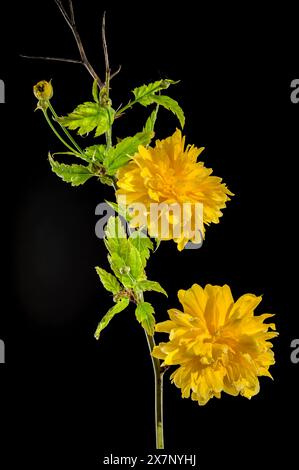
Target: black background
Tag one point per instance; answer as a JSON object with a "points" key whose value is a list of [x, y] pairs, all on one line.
{"points": [[66, 397]]}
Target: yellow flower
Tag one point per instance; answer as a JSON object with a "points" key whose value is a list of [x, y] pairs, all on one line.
{"points": [[170, 174], [219, 345]]}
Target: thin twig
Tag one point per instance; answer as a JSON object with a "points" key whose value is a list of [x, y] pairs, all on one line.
{"points": [[71, 23], [58, 59], [109, 75], [72, 12], [64, 13], [115, 73], [107, 66]]}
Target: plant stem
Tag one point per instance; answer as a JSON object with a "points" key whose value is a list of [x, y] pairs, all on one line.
{"points": [[131, 103], [158, 395], [70, 19], [107, 77], [158, 374], [57, 133], [64, 129]]}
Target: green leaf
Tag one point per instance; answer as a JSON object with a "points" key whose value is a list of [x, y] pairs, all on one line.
{"points": [[144, 314], [109, 281], [143, 244], [116, 239], [121, 270], [145, 93], [77, 155], [118, 307], [106, 180], [120, 210], [171, 105], [151, 121], [134, 262], [151, 285], [74, 174], [125, 260], [95, 91], [117, 264], [119, 155], [95, 153], [87, 117]]}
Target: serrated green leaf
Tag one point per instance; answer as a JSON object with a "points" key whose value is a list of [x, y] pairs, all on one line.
{"points": [[109, 281], [117, 264], [172, 105], [117, 308], [119, 155], [151, 121], [82, 156], [95, 91], [147, 285], [74, 174], [116, 239], [134, 262], [120, 210], [121, 270], [129, 269], [144, 314], [147, 94], [143, 244], [95, 153], [125, 260], [144, 93], [106, 180], [77, 155], [87, 117]]}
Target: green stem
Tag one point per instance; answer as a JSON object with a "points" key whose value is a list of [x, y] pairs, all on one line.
{"points": [[131, 103], [158, 395], [57, 133], [127, 106], [108, 136], [72, 140], [158, 375]]}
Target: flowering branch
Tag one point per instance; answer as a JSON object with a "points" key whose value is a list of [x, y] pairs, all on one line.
{"points": [[217, 344]]}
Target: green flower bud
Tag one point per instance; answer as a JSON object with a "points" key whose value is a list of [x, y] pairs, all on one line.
{"points": [[43, 90]]}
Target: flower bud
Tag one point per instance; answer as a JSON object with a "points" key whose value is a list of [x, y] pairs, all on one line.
{"points": [[43, 90]]}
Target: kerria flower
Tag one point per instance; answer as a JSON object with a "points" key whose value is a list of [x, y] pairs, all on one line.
{"points": [[218, 344], [169, 175]]}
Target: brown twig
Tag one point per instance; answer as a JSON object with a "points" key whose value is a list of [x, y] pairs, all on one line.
{"points": [[107, 67], [115, 73], [72, 12], [57, 59], [70, 20], [105, 48]]}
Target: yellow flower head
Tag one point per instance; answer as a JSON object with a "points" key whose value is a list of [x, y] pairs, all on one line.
{"points": [[169, 174], [218, 344]]}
